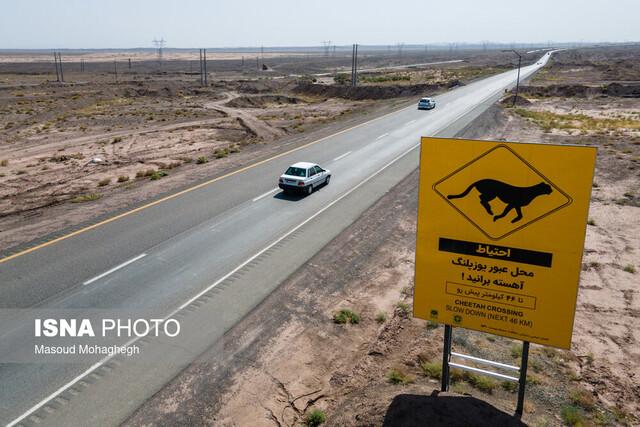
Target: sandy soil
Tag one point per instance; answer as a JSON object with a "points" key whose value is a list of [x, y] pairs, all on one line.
{"points": [[592, 66]]}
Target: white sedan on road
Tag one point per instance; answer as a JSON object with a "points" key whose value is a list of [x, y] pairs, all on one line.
{"points": [[303, 177], [426, 104]]}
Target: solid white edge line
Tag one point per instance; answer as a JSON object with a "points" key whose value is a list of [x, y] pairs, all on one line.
{"points": [[342, 156], [213, 285], [409, 122], [116, 268], [382, 136], [262, 196], [216, 283]]}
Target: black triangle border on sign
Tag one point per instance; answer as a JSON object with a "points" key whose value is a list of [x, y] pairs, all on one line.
{"points": [[569, 198]]}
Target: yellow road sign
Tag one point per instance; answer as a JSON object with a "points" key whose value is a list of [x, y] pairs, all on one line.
{"points": [[501, 231]]}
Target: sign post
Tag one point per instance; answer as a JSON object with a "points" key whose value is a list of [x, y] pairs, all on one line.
{"points": [[446, 355], [523, 377], [501, 230]]}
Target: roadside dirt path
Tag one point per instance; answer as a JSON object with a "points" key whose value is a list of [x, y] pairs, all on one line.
{"points": [[256, 126]]}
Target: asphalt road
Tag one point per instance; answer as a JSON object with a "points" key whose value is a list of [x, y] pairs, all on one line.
{"points": [[205, 257]]}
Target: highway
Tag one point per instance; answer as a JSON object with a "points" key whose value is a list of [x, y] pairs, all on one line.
{"points": [[205, 256]]}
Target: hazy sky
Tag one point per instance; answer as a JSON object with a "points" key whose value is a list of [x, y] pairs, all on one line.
{"points": [[232, 23]]}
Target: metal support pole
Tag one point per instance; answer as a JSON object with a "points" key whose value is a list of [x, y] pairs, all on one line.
{"points": [[55, 61], [353, 51], [518, 78], [60, 64], [200, 62], [523, 378], [206, 80], [129, 63], [115, 69], [517, 83], [446, 354], [355, 68]]}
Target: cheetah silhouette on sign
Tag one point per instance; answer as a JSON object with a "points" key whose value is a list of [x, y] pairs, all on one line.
{"points": [[514, 197]]}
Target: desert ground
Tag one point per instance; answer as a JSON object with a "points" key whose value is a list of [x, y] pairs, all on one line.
{"points": [[339, 344], [75, 151]]}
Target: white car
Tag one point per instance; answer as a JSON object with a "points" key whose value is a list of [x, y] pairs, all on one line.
{"points": [[303, 177], [426, 104]]}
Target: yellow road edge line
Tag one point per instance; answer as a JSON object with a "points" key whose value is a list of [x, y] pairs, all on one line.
{"points": [[187, 190]]}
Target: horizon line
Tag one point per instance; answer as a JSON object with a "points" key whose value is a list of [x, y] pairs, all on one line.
{"points": [[340, 46]]}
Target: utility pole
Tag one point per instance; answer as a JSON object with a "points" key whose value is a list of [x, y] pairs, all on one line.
{"points": [[355, 71], [326, 45], [201, 68], [55, 61], [59, 65], [159, 44], [518, 78], [129, 63], [206, 78], [115, 69], [354, 65]]}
